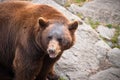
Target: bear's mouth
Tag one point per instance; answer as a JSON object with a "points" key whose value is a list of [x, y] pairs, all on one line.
{"points": [[52, 55]]}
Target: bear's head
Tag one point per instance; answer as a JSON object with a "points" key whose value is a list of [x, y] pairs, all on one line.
{"points": [[55, 37]]}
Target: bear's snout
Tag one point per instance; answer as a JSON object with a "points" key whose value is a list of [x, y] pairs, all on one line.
{"points": [[53, 49], [51, 52]]}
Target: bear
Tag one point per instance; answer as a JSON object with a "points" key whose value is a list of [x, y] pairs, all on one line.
{"points": [[32, 39]]}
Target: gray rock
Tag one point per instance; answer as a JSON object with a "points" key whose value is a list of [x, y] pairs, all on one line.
{"points": [[100, 10], [110, 43], [12, 0], [106, 32], [114, 57], [61, 2], [74, 8], [1, 0], [81, 60], [102, 49], [119, 40], [109, 74]]}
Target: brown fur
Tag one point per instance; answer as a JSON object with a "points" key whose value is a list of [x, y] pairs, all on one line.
{"points": [[23, 30]]}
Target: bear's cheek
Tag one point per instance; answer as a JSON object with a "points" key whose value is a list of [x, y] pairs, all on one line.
{"points": [[44, 41], [53, 49], [67, 42]]}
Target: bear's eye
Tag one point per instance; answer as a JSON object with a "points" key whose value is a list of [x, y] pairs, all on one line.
{"points": [[49, 37], [59, 39]]}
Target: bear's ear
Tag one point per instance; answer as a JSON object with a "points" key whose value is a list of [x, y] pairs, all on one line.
{"points": [[73, 26], [43, 23]]}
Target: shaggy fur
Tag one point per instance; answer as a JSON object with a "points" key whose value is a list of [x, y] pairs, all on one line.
{"points": [[32, 39]]}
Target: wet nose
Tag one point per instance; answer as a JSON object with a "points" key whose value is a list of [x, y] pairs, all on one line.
{"points": [[51, 50]]}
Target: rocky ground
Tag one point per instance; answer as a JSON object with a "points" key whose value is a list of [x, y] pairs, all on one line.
{"points": [[96, 53]]}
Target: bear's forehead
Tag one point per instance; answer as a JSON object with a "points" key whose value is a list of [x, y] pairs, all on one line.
{"points": [[58, 29]]}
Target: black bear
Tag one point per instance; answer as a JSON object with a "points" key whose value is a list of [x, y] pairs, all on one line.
{"points": [[32, 38]]}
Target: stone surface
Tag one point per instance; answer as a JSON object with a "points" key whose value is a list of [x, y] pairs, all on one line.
{"points": [[106, 32], [102, 49], [110, 43], [74, 8], [1, 0], [119, 40], [114, 57], [61, 2], [100, 10], [109, 74]]}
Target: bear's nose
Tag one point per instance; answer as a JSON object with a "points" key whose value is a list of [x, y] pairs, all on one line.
{"points": [[51, 50]]}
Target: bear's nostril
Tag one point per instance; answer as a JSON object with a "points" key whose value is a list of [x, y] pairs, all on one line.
{"points": [[51, 51]]}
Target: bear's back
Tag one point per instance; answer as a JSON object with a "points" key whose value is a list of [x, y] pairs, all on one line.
{"points": [[8, 11], [21, 12], [13, 6]]}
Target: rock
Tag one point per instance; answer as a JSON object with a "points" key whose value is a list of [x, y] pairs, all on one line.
{"points": [[1, 0], [100, 10], [81, 60], [102, 44], [61, 2], [102, 49], [109, 74], [74, 8], [119, 40], [110, 43], [11, 0], [114, 57], [106, 32]]}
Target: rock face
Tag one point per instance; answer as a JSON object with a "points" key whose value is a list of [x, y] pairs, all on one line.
{"points": [[104, 11], [106, 32], [119, 40], [112, 73], [1, 0], [61, 2], [109, 74], [114, 57]]}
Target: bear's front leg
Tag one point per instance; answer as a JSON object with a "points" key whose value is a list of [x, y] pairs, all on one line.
{"points": [[47, 69], [52, 75], [26, 68]]}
